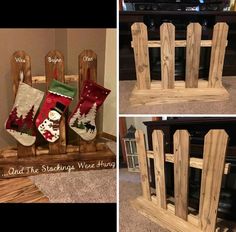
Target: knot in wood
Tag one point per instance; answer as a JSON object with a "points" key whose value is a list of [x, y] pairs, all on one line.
{"points": [[140, 68]]}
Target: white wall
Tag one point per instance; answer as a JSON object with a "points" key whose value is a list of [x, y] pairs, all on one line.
{"points": [[137, 122], [109, 109]]}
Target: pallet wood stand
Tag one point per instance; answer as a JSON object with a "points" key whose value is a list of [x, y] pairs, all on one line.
{"points": [[156, 205], [59, 156], [147, 92]]}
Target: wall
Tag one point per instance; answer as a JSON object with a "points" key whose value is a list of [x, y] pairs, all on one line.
{"points": [[109, 110], [137, 122], [36, 42]]}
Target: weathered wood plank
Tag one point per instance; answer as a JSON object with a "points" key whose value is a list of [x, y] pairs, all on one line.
{"points": [[54, 69], [159, 161], [143, 165], [193, 162], [194, 32], [219, 39], [74, 161], [141, 55], [215, 144], [163, 218], [178, 43], [42, 79], [87, 68], [21, 61], [167, 38], [181, 170], [168, 96], [20, 190]]}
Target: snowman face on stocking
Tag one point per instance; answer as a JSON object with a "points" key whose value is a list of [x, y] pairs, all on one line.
{"points": [[54, 115]]}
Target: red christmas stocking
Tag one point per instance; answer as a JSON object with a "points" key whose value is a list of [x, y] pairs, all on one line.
{"points": [[20, 121], [82, 120], [57, 100]]}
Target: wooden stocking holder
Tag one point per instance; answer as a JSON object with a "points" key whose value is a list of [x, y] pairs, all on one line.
{"points": [[147, 92], [174, 213], [59, 156]]}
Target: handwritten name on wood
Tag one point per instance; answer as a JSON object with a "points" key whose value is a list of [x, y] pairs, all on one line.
{"points": [[87, 58], [54, 60], [31, 170], [19, 60]]}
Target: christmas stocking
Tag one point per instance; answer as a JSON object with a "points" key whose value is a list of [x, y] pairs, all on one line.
{"points": [[57, 100], [20, 121], [82, 120]]}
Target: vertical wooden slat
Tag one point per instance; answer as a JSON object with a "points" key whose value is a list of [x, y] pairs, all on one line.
{"points": [[54, 69], [217, 54], [87, 71], [167, 38], [143, 165], [20, 61], [141, 55], [181, 170], [194, 32], [87, 67], [159, 159], [215, 144]]}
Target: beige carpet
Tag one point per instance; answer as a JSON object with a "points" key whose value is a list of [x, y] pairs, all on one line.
{"points": [[131, 220], [227, 107], [95, 186]]}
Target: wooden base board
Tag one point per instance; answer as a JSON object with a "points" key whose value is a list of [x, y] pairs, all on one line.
{"points": [[20, 190], [162, 217], [167, 219], [156, 95], [27, 166]]}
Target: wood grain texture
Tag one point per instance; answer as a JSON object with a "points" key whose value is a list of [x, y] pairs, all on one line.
{"points": [[20, 190], [215, 144], [194, 32], [42, 79], [156, 96], [193, 162], [178, 43], [181, 172], [20, 61], [87, 67], [219, 39], [141, 55], [163, 218], [167, 38], [143, 165], [159, 161], [73, 161], [54, 69]]}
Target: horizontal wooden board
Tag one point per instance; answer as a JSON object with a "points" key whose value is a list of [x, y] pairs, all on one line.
{"points": [[178, 43], [14, 167], [20, 190], [193, 162], [177, 95], [162, 217], [42, 79]]}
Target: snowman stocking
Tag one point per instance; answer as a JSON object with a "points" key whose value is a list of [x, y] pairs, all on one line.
{"points": [[82, 120], [20, 121], [57, 100]]}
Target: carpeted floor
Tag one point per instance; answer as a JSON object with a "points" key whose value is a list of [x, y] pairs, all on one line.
{"points": [[227, 107], [130, 220], [79, 187]]}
